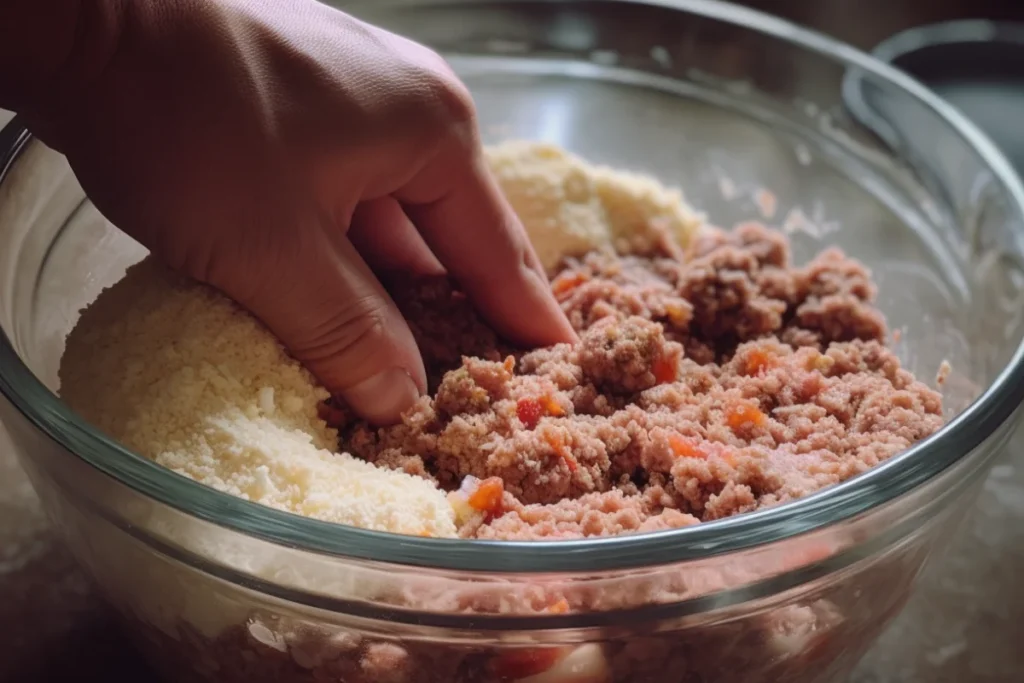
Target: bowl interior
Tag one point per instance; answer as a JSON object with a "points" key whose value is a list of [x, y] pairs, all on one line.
{"points": [[750, 125]]}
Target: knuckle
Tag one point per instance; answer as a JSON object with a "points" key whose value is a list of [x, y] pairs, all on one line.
{"points": [[430, 93], [441, 90], [453, 99]]}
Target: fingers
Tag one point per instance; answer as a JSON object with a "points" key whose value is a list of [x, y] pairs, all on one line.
{"points": [[457, 207], [328, 309], [388, 241]]}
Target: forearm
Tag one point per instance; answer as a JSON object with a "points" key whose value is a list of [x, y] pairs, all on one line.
{"points": [[50, 49]]}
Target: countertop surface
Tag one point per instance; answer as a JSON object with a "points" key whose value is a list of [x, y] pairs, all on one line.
{"points": [[965, 623]]}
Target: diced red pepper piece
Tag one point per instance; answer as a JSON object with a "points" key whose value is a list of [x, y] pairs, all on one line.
{"points": [[512, 665], [666, 370], [529, 411]]}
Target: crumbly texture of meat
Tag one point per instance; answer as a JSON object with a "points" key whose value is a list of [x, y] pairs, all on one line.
{"points": [[701, 387]]}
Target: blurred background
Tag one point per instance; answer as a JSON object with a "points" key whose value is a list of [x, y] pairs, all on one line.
{"points": [[864, 23], [965, 625]]}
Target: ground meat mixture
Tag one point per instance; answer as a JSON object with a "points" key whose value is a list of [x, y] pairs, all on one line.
{"points": [[706, 382], [702, 386]]}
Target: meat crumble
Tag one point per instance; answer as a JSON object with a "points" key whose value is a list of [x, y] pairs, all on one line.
{"points": [[701, 388]]}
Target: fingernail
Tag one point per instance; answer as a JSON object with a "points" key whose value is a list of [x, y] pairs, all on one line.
{"points": [[383, 398]]}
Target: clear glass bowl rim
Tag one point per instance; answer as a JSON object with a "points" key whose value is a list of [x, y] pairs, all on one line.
{"points": [[962, 435]]}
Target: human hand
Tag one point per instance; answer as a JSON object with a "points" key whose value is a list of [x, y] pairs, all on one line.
{"points": [[282, 151]]}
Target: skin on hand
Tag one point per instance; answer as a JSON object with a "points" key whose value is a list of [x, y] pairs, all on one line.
{"points": [[282, 152]]}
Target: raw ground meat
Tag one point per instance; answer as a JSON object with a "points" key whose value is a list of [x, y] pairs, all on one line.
{"points": [[700, 388]]}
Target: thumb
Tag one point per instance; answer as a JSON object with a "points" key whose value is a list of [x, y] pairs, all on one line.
{"points": [[326, 306]]}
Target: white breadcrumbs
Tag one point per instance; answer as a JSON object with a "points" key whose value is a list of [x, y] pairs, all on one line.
{"points": [[179, 374], [570, 207]]}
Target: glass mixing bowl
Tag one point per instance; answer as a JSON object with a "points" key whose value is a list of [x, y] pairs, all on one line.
{"points": [[741, 110]]}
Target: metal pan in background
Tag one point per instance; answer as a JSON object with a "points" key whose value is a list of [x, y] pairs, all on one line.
{"points": [[976, 66]]}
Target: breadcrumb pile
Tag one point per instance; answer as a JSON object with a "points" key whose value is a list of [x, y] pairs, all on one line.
{"points": [[570, 207], [181, 375]]}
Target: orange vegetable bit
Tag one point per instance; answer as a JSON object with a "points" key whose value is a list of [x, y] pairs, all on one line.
{"points": [[551, 406], [758, 361], [513, 665], [488, 495], [567, 282], [560, 607], [820, 362], [529, 411], [510, 365], [555, 441], [570, 462], [676, 314], [666, 370], [744, 415], [684, 448], [558, 446]]}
